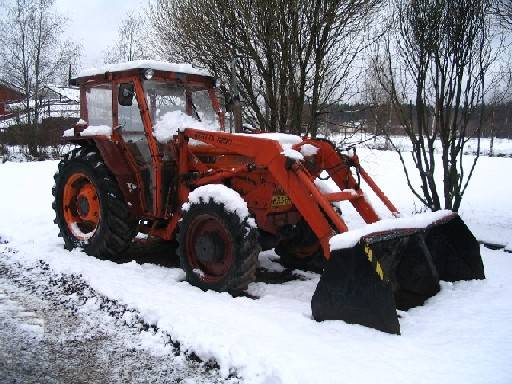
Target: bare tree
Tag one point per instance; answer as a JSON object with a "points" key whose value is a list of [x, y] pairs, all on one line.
{"points": [[33, 52], [439, 55], [503, 10], [376, 99], [291, 55], [131, 41], [497, 106]]}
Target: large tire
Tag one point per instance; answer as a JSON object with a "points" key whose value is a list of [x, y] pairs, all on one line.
{"points": [[217, 249], [109, 233]]}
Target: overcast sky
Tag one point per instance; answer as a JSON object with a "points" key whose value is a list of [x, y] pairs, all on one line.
{"points": [[94, 24]]}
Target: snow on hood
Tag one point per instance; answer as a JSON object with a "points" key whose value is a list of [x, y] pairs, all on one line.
{"points": [[152, 64], [419, 221], [291, 153], [284, 139], [308, 150], [69, 132], [91, 130], [170, 123]]}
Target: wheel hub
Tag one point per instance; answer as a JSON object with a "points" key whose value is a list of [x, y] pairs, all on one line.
{"points": [[209, 248], [87, 203], [81, 206]]}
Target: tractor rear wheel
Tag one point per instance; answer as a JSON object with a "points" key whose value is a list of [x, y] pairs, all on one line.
{"points": [[89, 207], [218, 250]]}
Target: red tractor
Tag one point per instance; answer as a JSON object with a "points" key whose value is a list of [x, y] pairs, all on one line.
{"points": [[152, 156]]}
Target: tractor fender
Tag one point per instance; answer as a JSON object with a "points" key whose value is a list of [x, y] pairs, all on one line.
{"points": [[115, 159]]}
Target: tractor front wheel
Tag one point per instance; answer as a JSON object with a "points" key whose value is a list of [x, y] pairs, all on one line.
{"points": [[302, 250], [218, 250], [309, 259]]}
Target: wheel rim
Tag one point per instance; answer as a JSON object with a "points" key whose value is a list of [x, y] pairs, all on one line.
{"points": [[81, 206], [209, 248]]}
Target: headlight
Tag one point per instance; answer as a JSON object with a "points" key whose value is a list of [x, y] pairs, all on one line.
{"points": [[148, 74]]}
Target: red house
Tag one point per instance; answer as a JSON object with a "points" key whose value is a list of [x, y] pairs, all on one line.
{"points": [[8, 94]]}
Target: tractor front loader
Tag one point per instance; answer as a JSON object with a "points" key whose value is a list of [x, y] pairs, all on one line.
{"points": [[226, 196]]}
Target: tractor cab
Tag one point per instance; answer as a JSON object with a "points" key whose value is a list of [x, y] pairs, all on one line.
{"points": [[123, 104], [110, 94]]}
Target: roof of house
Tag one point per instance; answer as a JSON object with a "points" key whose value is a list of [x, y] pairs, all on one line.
{"points": [[144, 64], [70, 93], [12, 87]]}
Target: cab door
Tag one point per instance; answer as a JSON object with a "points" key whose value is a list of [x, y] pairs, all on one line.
{"points": [[131, 127]]}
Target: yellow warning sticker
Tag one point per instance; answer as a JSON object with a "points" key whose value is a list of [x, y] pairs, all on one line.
{"points": [[378, 268], [280, 201]]}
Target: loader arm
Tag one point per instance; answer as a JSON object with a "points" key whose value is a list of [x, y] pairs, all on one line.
{"points": [[338, 166], [292, 176], [384, 270]]}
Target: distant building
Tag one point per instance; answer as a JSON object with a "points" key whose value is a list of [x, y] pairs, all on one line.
{"points": [[61, 94], [8, 94], [53, 101], [59, 101]]}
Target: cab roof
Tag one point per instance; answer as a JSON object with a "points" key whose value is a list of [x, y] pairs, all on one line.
{"points": [[144, 64]]}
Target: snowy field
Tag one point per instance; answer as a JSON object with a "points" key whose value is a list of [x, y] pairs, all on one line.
{"points": [[501, 146], [462, 335]]}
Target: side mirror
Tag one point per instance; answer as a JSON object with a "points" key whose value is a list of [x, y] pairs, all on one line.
{"points": [[125, 94]]}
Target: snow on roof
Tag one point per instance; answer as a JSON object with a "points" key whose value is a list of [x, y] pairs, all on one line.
{"points": [[67, 92], [156, 65]]}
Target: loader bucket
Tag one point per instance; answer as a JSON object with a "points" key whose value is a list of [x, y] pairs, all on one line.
{"points": [[396, 269], [455, 251]]}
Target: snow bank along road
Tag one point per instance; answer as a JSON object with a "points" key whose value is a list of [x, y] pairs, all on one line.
{"points": [[462, 335], [58, 330]]}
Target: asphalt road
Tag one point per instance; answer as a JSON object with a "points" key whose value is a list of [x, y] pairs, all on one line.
{"points": [[43, 340]]}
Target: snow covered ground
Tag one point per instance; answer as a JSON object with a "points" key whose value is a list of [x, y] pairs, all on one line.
{"points": [[462, 335], [501, 146]]}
